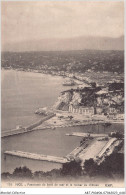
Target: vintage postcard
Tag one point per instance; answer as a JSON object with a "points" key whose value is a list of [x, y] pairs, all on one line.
{"points": [[62, 94]]}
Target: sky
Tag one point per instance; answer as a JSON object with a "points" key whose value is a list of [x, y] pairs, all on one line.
{"points": [[25, 21]]}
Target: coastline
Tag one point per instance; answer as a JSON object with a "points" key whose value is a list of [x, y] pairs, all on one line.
{"points": [[66, 125], [51, 74], [79, 124]]}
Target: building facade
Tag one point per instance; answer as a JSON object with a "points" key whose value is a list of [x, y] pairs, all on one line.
{"points": [[81, 110]]}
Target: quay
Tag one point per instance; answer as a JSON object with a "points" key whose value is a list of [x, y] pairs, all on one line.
{"points": [[74, 124], [34, 156], [109, 143], [86, 134], [96, 149], [29, 128], [77, 151]]}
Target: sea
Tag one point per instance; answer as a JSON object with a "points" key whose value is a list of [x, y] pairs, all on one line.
{"points": [[21, 94]]}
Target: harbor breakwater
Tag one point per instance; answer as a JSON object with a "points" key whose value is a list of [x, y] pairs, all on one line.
{"points": [[26, 129], [40, 157]]}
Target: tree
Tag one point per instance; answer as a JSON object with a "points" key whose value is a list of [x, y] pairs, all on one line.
{"points": [[22, 172], [72, 168], [38, 175], [113, 164], [90, 167], [6, 175]]}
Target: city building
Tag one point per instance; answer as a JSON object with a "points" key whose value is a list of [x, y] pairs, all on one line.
{"points": [[81, 110]]}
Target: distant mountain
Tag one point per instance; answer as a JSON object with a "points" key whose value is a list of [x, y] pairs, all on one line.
{"points": [[77, 43]]}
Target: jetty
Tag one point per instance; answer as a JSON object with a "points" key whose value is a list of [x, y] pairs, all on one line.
{"points": [[86, 134], [27, 129], [34, 156]]}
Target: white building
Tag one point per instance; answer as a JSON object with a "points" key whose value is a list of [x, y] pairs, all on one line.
{"points": [[81, 110]]}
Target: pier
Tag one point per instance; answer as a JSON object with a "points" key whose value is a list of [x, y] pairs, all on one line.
{"points": [[27, 129], [86, 134], [34, 156]]}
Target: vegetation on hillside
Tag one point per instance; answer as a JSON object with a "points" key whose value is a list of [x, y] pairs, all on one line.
{"points": [[71, 61], [111, 166]]}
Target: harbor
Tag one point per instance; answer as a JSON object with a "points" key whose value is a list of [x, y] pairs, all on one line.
{"points": [[62, 96], [95, 146], [46, 137], [41, 125]]}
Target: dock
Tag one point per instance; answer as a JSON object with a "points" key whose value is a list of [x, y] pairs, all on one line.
{"points": [[110, 142], [26, 129], [72, 125], [86, 135], [75, 153], [39, 157]]}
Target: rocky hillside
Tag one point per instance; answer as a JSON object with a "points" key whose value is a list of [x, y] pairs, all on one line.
{"points": [[104, 99]]}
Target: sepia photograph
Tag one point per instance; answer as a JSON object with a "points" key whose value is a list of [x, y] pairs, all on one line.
{"points": [[62, 94]]}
